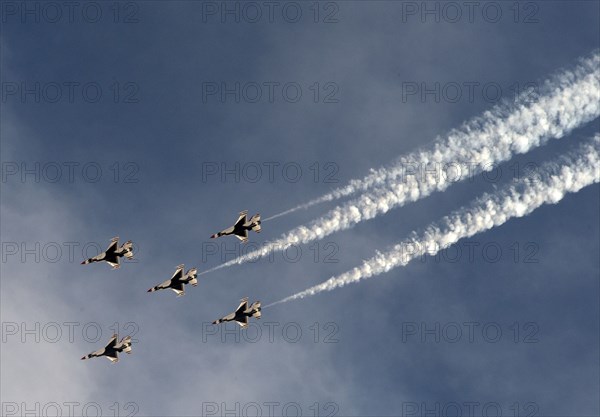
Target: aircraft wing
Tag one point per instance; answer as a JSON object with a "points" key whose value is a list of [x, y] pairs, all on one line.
{"points": [[243, 322], [178, 288], [113, 245], [112, 342], [112, 356], [242, 219], [243, 236], [243, 305], [114, 263], [178, 273]]}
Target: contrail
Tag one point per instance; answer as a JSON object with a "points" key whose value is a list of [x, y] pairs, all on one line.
{"points": [[571, 99], [471, 130], [302, 206], [567, 175]]}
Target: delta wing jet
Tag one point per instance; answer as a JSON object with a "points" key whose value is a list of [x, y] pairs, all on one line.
{"points": [[242, 313], [241, 227], [112, 349], [178, 281], [113, 253]]}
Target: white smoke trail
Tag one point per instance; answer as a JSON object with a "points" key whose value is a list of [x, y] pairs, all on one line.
{"points": [[570, 174], [470, 131], [300, 207], [572, 99]]}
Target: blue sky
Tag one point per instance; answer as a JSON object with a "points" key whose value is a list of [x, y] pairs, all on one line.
{"points": [[167, 135]]}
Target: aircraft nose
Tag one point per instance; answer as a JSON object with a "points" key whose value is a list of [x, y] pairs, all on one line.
{"points": [[213, 236], [82, 262]]}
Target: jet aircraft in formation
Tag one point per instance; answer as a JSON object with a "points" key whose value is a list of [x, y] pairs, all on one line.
{"points": [[178, 281], [112, 349], [242, 313], [241, 227], [113, 253]]}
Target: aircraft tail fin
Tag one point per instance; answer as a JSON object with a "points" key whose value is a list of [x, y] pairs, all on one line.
{"points": [[128, 247], [126, 341], [255, 307], [255, 221]]}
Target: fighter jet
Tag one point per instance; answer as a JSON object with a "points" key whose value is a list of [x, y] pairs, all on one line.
{"points": [[112, 349], [241, 227], [113, 253], [242, 313], [178, 281]]}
